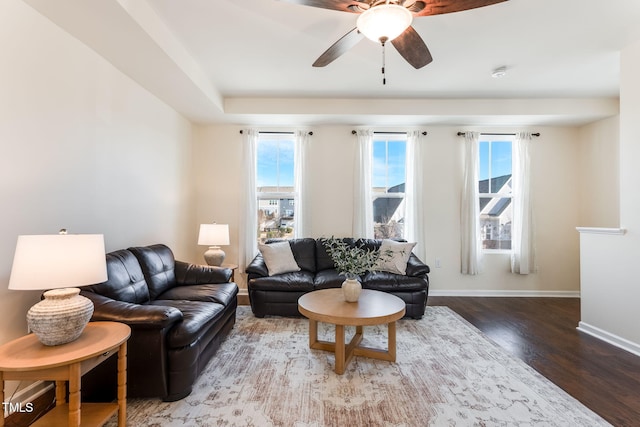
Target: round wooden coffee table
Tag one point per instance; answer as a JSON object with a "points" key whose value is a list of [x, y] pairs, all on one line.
{"points": [[372, 308]]}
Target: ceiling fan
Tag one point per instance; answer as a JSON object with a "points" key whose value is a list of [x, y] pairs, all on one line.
{"points": [[389, 20]]}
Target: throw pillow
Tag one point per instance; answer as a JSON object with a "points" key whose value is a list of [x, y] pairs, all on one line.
{"points": [[279, 258], [399, 253]]}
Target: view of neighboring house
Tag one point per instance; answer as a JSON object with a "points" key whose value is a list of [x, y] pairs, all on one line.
{"points": [[276, 218], [388, 212], [496, 214]]}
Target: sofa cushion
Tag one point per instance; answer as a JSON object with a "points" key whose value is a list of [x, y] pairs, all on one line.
{"points": [[391, 282], [221, 293], [304, 251], [369, 244], [327, 279], [197, 318], [158, 266], [288, 282], [394, 256], [125, 280], [323, 259], [278, 257]]}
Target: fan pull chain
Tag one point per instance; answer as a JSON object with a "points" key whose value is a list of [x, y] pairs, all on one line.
{"points": [[384, 76]]}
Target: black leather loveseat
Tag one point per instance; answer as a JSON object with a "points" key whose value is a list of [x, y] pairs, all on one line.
{"points": [[278, 294], [178, 313]]}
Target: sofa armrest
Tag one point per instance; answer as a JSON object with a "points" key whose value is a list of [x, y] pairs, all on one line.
{"points": [[135, 315], [416, 268], [257, 268], [192, 274]]}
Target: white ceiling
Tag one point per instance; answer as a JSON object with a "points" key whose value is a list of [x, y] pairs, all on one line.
{"points": [[250, 61]]}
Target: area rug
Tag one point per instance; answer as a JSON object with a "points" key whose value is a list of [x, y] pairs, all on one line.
{"points": [[447, 374]]}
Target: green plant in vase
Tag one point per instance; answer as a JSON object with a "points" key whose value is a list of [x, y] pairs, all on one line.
{"points": [[352, 262]]}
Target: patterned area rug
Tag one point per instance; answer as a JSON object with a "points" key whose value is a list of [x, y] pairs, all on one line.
{"points": [[447, 374]]}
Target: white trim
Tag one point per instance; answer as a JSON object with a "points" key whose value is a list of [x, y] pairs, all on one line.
{"points": [[610, 338], [503, 293], [598, 230], [29, 393]]}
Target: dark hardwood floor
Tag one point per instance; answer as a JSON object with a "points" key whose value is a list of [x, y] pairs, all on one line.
{"points": [[542, 332]]}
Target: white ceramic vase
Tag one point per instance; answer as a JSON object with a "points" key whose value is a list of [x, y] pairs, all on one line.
{"points": [[351, 289]]}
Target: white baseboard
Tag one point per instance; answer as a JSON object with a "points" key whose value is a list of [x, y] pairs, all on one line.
{"points": [[610, 338], [27, 394], [503, 294]]}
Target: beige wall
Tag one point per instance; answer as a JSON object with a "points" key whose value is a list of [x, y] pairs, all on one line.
{"points": [[82, 147], [556, 171], [600, 173]]}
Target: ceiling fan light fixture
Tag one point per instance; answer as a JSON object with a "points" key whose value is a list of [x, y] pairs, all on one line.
{"points": [[384, 22]]}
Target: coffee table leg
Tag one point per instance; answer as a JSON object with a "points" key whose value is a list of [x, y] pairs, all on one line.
{"points": [[313, 333], [391, 328], [340, 350]]}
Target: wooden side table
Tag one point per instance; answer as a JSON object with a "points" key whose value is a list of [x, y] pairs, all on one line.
{"points": [[27, 359], [233, 268]]}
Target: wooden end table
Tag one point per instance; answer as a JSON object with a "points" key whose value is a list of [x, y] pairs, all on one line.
{"points": [[233, 268], [372, 308], [27, 359]]}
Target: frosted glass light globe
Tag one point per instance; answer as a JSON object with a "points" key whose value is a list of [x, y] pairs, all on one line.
{"points": [[384, 22]]}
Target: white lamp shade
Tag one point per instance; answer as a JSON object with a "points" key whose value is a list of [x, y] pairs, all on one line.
{"points": [[213, 234], [58, 261], [384, 21]]}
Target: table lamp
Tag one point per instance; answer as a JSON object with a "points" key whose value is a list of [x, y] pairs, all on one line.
{"points": [[214, 235], [59, 262]]}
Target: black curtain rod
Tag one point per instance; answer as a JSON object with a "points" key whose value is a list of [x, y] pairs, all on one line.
{"points": [[353, 132], [498, 134], [278, 133]]}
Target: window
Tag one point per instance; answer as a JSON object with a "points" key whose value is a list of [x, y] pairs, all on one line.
{"points": [[494, 188], [275, 186], [388, 177]]}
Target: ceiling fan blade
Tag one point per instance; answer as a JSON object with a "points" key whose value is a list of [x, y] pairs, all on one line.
{"points": [[345, 43], [354, 6], [438, 7], [412, 48]]}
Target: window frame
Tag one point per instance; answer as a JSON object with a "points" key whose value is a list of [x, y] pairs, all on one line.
{"points": [[494, 138], [388, 137], [277, 194]]}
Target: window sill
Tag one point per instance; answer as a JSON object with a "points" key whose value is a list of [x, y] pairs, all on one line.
{"points": [[496, 252]]}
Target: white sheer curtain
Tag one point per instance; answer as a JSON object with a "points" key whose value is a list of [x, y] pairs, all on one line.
{"points": [[414, 193], [362, 204], [302, 207], [248, 228], [470, 221], [522, 244]]}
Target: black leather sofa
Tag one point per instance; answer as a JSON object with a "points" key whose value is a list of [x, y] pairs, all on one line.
{"points": [[278, 294], [179, 314]]}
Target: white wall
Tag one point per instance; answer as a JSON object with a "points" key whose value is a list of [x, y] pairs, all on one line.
{"points": [[82, 147], [556, 170], [609, 277]]}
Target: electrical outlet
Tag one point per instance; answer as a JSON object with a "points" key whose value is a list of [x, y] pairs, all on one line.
{"points": [[438, 263]]}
